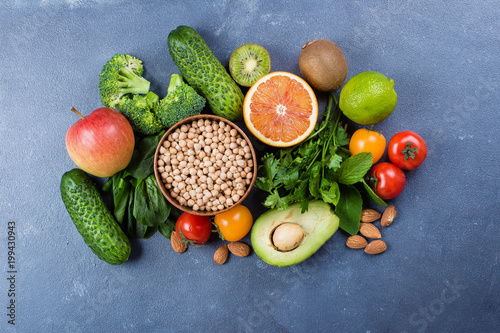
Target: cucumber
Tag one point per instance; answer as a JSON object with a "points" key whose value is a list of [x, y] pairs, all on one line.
{"points": [[204, 72], [92, 218]]}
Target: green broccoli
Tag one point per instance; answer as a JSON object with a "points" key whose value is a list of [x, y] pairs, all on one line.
{"points": [[181, 102], [140, 112], [121, 76]]}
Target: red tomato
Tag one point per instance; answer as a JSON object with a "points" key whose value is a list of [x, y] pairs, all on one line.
{"points": [[194, 228], [387, 180], [365, 140], [235, 223], [407, 150]]}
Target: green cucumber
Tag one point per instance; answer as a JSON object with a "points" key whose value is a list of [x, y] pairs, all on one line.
{"points": [[92, 218], [204, 72]]}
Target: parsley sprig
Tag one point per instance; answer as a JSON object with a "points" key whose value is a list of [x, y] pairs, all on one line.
{"points": [[319, 168]]}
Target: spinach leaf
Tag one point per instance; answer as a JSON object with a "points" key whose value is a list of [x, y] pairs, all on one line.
{"points": [[349, 209], [150, 206], [142, 163], [121, 192]]}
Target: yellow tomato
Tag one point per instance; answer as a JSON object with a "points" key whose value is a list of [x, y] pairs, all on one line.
{"points": [[235, 223], [365, 140]]}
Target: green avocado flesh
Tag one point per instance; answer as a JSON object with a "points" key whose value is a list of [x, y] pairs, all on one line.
{"points": [[319, 224]]}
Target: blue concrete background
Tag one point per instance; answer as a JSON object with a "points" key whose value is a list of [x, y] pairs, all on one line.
{"points": [[441, 272]]}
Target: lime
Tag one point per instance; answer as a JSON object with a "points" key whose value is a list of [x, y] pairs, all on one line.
{"points": [[368, 98]]}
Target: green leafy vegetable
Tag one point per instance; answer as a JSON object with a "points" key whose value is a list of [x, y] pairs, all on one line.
{"points": [[349, 209], [137, 199], [321, 167], [355, 167]]}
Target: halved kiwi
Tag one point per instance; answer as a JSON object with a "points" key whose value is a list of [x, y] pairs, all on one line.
{"points": [[248, 63]]}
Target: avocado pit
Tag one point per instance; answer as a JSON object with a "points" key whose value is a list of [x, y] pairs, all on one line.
{"points": [[287, 236]]}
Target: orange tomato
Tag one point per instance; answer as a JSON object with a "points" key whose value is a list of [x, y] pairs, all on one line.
{"points": [[235, 223], [365, 140]]}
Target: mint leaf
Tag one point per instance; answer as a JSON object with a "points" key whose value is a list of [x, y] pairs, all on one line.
{"points": [[349, 209], [355, 167]]}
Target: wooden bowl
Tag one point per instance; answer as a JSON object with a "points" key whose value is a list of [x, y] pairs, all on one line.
{"points": [[166, 192]]}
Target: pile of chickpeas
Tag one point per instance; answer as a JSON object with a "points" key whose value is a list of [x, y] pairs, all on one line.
{"points": [[206, 165]]}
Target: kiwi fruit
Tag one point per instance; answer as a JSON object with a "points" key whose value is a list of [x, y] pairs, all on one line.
{"points": [[248, 63], [323, 65]]}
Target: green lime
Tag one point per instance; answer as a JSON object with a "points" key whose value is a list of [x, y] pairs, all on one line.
{"points": [[368, 98]]}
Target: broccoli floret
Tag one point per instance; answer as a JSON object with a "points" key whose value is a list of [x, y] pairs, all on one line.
{"points": [[140, 112], [121, 76], [181, 102]]}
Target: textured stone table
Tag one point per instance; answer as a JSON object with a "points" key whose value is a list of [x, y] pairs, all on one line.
{"points": [[441, 270]]}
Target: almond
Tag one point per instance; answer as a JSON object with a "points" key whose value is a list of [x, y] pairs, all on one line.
{"points": [[177, 244], [239, 249], [369, 215], [388, 216], [221, 254], [369, 230], [376, 247], [356, 242]]}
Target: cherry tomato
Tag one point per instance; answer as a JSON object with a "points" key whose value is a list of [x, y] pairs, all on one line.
{"points": [[407, 150], [387, 180], [194, 228], [365, 140], [235, 223]]}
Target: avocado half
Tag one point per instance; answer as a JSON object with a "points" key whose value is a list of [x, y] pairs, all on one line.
{"points": [[319, 223]]}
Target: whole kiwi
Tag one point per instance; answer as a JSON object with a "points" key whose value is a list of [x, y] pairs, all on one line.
{"points": [[323, 64]]}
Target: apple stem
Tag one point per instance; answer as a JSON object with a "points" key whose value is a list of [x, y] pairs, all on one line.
{"points": [[76, 111]]}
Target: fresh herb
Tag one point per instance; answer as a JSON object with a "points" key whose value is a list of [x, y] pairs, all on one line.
{"points": [[319, 168], [138, 202]]}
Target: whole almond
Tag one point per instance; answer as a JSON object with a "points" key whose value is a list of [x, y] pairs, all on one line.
{"points": [[388, 216], [356, 242], [221, 254], [239, 249], [369, 230], [369, 215], [177, 244], [376, 247]]}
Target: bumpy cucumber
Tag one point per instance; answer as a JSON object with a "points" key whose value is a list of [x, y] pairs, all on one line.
{"points": [[204, 72], [92, 218]]}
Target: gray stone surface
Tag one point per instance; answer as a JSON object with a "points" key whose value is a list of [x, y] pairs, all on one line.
{"points": [[441, 270]]}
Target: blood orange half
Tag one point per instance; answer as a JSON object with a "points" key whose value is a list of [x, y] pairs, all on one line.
{"points": [[280, 109]]}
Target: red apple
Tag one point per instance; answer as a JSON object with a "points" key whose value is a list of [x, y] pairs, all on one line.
{"points": [[101, 143]]}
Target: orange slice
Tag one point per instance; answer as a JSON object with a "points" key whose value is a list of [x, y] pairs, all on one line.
{"points": [[280, 109]]}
